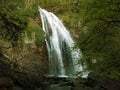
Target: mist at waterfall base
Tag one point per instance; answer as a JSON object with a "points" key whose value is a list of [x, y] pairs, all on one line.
{"points": [[62, 59]]}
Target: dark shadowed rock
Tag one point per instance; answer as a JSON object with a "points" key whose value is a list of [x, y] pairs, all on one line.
{"points": [[38, 89], [5, 82], [4, 69], [17, 88], [111, 84]]}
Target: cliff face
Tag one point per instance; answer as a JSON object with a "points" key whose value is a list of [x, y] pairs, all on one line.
{"points": [[27, 57]]}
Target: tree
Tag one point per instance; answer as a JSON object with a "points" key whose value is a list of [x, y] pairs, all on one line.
{"points": [[100, 36]]}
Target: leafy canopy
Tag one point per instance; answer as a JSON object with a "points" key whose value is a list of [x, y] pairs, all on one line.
{"points": [[100, 36]]}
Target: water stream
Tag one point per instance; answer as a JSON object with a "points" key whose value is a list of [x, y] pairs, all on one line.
{"points": [[59, 45]]}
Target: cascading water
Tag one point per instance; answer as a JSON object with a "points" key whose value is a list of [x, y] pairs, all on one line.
{"points": [[59, 44]]}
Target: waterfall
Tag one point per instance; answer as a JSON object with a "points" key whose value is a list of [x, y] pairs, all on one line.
{"points": [[59, 44]]}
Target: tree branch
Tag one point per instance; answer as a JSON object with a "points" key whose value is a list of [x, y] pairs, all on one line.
{"points": [[117, 21]]}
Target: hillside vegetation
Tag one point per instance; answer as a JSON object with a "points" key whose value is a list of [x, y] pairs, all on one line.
{"points": [[93, 24]]}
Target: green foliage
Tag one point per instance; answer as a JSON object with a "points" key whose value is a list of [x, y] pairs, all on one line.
{"points": [[47, 3], [39, 37], [32, 11], [12, 21], [35, 28], [100, 37]]}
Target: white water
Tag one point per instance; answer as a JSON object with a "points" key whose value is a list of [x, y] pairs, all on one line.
{"points": [[59, 44]]}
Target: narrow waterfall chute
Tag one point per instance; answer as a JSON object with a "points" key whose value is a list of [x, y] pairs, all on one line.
{"points": [[59, 44]]}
